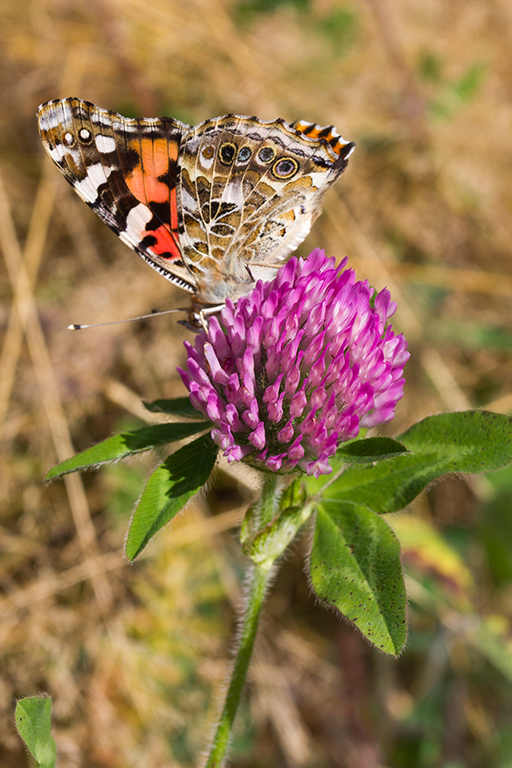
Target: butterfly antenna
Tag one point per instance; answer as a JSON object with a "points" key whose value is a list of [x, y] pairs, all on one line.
{"points": [[153, 313]]}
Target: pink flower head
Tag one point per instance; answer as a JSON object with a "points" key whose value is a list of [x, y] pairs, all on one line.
{"points": [[297, 366]]}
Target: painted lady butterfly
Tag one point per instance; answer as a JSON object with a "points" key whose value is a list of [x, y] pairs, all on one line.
{"points": [[212, 207]]}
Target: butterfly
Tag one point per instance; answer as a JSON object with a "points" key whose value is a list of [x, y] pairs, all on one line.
{"points": [[212, 207]]}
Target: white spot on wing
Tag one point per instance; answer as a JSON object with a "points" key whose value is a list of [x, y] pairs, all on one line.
{"points": [[204, 161], [59, 153], [320, 179], [96, 174], [105, 143], [233, 194], [83, 193], [56, 153], [137, 219], [87, 188]]}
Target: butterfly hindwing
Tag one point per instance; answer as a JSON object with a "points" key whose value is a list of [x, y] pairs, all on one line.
{"points": [[125, 170], [249, 192]]}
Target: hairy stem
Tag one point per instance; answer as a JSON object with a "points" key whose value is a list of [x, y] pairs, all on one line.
{"points": [[267, 536], [269, 498], [259, 580]]}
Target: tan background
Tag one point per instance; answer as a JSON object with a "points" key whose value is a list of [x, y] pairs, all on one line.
{"points": [[134, 657]]}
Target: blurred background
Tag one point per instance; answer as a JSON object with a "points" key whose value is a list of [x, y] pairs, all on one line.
{"points": [[135, 657]]}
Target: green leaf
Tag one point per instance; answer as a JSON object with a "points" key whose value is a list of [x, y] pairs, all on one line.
{"points": [[471, 441], [370, 449], [33, 721], [168, 490], [126, 444], [179, 406], [355, 567]]}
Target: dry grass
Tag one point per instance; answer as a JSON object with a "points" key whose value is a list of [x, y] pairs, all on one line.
{"points": [[134, 657]]}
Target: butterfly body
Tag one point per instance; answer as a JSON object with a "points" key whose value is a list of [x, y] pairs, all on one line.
{"points": [[212, 207]]}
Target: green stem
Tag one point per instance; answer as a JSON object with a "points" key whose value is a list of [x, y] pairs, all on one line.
{"points": [[268, 501], [259, 580], [264, 543], [262, 511]]}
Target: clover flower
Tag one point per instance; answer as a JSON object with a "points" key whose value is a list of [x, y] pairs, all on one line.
{"points": [[297, 367]]}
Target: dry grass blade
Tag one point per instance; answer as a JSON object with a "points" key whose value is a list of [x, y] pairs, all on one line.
{"points": [[25, 307], [95, 566], [23, 279], [414, 103], [277, 704]]}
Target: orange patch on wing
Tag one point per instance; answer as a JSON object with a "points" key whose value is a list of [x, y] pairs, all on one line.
{"points": [[172, 149], [165, 243], [314, 133], [339, 146], [154, 162], [287, 216]]}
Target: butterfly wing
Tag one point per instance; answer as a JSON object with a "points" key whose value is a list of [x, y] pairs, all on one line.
{"points": [[210, 207], [287, 198], [249, 192], [126, 171]]}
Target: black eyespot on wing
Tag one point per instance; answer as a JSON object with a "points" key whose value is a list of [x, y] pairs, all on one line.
{"points": [[85, 136], [68, 139], [266, 155], [285, 168], [244, 154], [227, 153]]}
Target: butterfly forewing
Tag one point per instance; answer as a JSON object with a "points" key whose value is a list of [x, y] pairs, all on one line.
{"points": [[125, 170]]}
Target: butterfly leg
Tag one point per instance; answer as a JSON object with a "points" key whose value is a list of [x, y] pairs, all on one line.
{"points": [[198, 318], [263, 272], [206, 312]]}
